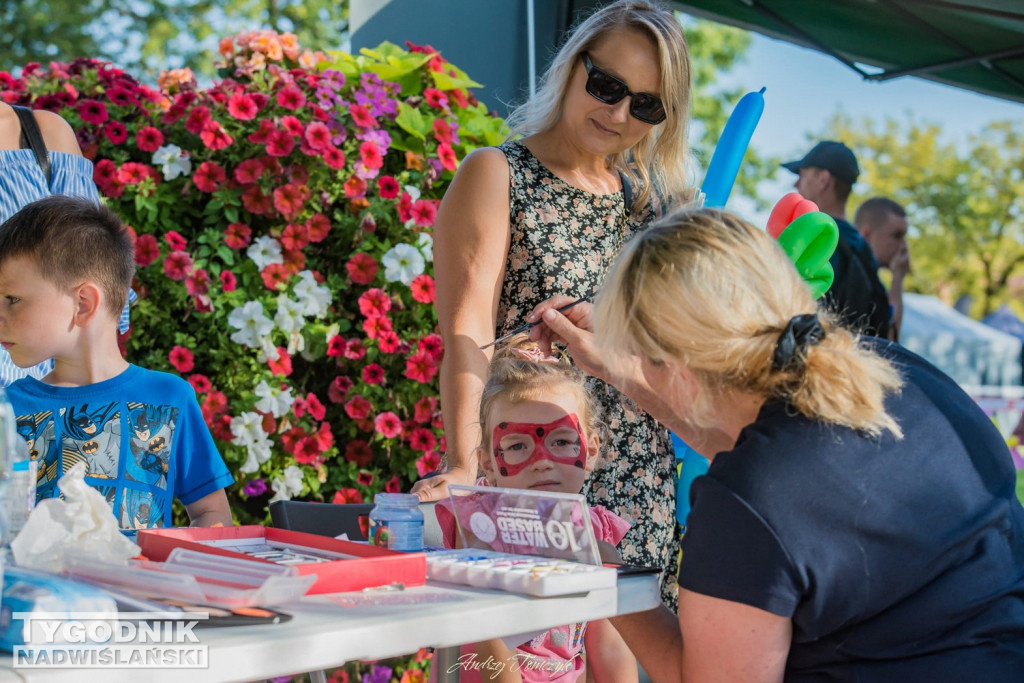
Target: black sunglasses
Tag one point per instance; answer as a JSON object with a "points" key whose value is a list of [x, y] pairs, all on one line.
{"points": [[602, 86]]}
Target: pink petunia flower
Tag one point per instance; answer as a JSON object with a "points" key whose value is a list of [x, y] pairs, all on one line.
{"points": [[365, 478], [317, 227], [422, 439], [275, 276], [432, 344], [146, 250], [242, 107], [421, 367], [181, 359], [283, 365], [197, 119], [347, 496], [115, 132], [307, 451], [370, 155], [334, 158], [175, 240], [361, 116], [443, 131], [280, 143], [424, 409], [291, 98], [214, 136], [388, 341], [198, 282], [290, 198], [374, 302], [423, 289], [249, 171], [209, 176], [446, 155], [237, 235], [373, 374], [295, 236], [228, 281], [393, 485], [354, 349], [355, 188], [388, 425], [339, 388], [318, 136], [362, 268], [178, 265], [428, 463], [358, 408], [149, 139], [91, 111], [200, 383], [435, 98], [388, 187], [374, 326], [424, 211]]}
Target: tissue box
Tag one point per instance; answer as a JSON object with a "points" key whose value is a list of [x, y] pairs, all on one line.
{"points": [[338, 565]]}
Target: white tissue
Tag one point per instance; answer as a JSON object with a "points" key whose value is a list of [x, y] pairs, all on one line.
{"points": [[81, 523]]}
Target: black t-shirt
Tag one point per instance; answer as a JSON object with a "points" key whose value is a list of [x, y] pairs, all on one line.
{"points": [[897, 561], [856, 294]]}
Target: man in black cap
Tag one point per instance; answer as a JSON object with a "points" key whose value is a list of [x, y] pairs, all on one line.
{"points": [[826, 175]]}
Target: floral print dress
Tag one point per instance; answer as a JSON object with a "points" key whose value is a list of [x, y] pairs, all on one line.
{"points": [[563, 240]]}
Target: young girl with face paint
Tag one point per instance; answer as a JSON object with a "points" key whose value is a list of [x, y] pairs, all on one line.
{"points": [[540, 432]]}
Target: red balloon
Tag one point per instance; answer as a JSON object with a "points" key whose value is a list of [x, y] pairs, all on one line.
{"points": [[787, 210]]}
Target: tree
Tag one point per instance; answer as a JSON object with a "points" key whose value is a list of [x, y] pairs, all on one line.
{"points": [[715, 49], [964, 202], [147, 36]]}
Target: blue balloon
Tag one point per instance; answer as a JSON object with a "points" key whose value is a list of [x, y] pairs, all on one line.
{"points": [[725, 162]]}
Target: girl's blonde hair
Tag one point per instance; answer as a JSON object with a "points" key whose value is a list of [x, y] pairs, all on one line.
{"points": [[662, 157], [514, 377], [713, 293]]}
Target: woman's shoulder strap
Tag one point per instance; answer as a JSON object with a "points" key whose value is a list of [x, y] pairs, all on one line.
{"points": [[32, 138]]}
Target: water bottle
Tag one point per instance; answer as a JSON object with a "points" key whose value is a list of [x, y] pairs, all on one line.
{"points": [[396, 522], [18, 475]]}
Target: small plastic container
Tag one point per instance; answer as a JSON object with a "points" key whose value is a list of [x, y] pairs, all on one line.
{"points": [[396, 522]]}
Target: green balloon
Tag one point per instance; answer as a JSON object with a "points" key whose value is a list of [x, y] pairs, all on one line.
{"points": [[810, 241]]}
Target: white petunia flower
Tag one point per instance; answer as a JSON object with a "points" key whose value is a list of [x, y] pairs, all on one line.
{"points": [[247, 428], [402, 263], [257, 453], [173, 161], [273, 399], [414, 192], [268, 350], [252, 324], [287, 486], [265, 251], [315, 298], [425, 242], [290, 315]]}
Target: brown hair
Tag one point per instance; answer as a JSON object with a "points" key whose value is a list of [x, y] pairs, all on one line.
{"points": [[71, 241], [713, 293]]}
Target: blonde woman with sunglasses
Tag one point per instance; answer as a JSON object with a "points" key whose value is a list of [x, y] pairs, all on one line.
{"points": [[586, 167]]}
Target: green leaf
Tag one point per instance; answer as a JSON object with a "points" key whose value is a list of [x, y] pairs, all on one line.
{"points": [[412, 121]]}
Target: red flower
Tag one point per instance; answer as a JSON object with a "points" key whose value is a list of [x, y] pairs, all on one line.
{"points": [[249, 171], [262, 133], [317, 227], [149, 139], [228, 281], [177, 265], [388, 187], [200, 383], [374, 326], [421, 367], [354, 349], [459, 96], [432, 344], [146, 250], [318, 136], [237, 235], [214, 136], [361, 116], [373, 374], [115, 132], [355, 188], [443, 131], [289, 199], [175, 240], [91, 111], [334, 158], [358, 408], [423, 290], [315, 407], [132, 173], [242, 107], [275, 276], [283, 365], [424, 409], [198, 282], [446, 154], [323, 436], [368, 223], [295, 236], [422, 439], [370, 155], [280, 143], [346, 497], [209, 176], [335, 346], [362, 268], [374, 302], [365, 478], [424, 211], [256, 202], [404, 207], [197, 119], [388, 425], [339, 389], [181, 358], [358, 452], [388, 342], [393, 485], [292, 125], [307, 451], [428, 463], [435, 98], [291, 98]]}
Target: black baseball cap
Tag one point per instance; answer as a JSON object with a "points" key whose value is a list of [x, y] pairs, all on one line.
{"points": [[833, 156]]}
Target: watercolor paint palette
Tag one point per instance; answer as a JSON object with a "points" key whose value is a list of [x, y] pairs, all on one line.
{"points": [[527, 574]]}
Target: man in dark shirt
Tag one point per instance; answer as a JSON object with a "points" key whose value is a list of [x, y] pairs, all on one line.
{"points": [[883, 225], [826, 175]]}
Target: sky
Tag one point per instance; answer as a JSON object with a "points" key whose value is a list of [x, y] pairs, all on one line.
{"points": [[806, 88]]}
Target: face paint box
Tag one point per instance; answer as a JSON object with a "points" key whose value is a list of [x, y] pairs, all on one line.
{"points": [[342, 566]]}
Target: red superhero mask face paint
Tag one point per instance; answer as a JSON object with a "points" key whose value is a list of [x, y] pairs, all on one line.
{"points": [[517, 445]]}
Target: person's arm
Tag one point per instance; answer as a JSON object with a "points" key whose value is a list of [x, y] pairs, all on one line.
{"points": [[210, 510], [899, 268], [608, 657], [506, 665], [471, 242], [711, 641], [57, 133]]}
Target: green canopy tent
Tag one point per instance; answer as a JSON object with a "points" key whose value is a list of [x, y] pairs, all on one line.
{"points": [[972, 44]]}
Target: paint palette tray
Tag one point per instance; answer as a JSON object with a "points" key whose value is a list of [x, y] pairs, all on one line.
{"points": [[527, 574]]}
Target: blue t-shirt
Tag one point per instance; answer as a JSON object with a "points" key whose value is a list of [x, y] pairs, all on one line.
{"points": [[897, 560], [141, 436]]}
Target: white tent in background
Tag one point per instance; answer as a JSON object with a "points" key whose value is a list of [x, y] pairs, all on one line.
{"points": [[970, 352]]}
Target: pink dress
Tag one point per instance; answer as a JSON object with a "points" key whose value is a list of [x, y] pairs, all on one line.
{"points": [[554, 655]]}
